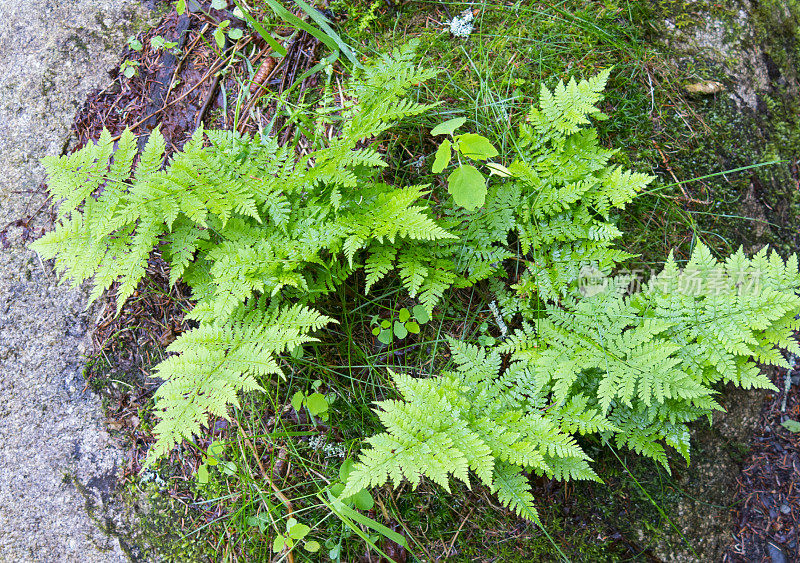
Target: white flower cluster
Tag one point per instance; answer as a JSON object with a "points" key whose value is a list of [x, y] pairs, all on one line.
{"points": [[148, 476], [463, 24], [318, 442]]}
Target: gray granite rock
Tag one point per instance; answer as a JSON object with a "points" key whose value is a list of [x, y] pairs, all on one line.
{"points": [[58, 465]]}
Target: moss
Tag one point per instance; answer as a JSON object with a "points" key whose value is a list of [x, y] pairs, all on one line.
{"points": [[744, 137], [48, 81], [160, 527], [77, 41]]}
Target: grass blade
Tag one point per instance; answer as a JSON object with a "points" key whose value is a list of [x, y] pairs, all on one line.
{"points": [[265, 35], [329, 37]]}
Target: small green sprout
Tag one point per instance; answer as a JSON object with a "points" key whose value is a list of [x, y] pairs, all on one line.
{"points": [[134, 43], [466, 183], [316, 403], [128, 68], [159, 43], [295, 531], [407, 322], [213, 453], [224, 27]]}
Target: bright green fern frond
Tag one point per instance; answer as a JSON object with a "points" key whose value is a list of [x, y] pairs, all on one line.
{"points": [[513, 491], [214, 362], [379, 263], [570, 105]]}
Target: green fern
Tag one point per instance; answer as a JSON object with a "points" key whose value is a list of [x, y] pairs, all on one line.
{"points": [[259, 234], [214, 362], [636, 368], [469, 420], [241, 220]]}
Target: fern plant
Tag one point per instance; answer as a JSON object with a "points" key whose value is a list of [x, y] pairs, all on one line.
{"points": [[472, 419], [257, 233], [633, 368]]}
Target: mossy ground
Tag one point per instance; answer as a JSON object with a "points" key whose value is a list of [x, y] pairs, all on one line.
{"points": [[491, 78]]}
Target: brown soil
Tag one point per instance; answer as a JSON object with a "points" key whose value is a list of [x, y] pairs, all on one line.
{"points": [[768, 488]]}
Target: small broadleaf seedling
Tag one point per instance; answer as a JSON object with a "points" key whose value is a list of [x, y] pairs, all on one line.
{"points": [[466, 183], [407, 322]]}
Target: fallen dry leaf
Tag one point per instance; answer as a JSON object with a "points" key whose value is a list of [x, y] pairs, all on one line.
{"points": [[706, 87]]}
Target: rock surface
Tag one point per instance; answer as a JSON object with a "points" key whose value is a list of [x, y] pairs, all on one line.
{"points": [[749, 49], [58, 465]]}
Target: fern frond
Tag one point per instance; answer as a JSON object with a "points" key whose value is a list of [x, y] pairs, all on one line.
{"points": [[512, 490], [379, 263], [570, 105], [214, 362]]}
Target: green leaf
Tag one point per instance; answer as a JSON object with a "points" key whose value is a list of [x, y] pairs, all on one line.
{"points": [[385, 337], [791, 425], [312, 546], [412, 327], [400, 330], [385, 324], [277, 48], [484, 340], [327, 35], [202, 474], [278, 544], [259, 520], [215, 449], [337, 489], [467, 186], [134, 43], [345, 469], [421, 314], [157, 42], [443, 155], [376, 331], [496, 169], [345, 511], [448, 126], [297, 400], [180, 7], [403, 315], [219, 4], [317, 403], [363, 500], [475, 146], [331, 35], [219, 33], [235, 34], [299, 531]]}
